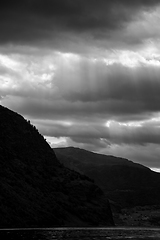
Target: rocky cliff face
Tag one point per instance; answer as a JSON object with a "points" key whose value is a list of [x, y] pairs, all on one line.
{"points": [[35, 189]]}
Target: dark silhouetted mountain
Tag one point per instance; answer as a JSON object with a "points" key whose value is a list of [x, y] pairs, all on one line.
{"points": [[124, 181], [35, 189]]}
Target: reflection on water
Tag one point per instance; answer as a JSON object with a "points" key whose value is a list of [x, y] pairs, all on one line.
{"points": [[80, 234]]}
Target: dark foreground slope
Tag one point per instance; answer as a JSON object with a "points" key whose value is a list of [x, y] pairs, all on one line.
{"points": [[128, 183], [35, 189]]}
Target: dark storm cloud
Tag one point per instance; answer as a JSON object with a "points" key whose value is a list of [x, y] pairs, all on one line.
{"points": [[115, 90], [101, 110], [36, 20], [119, 97], [95, 84], [101, 135], [81, 88]]}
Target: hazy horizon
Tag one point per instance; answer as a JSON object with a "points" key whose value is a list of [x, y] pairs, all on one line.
{"points": [[85, 72]]}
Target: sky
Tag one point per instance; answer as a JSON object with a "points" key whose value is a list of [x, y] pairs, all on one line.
{"points": [[85, 72]]}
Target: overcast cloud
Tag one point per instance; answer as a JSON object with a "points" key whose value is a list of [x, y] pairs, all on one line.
{"points": [[85, 72]]}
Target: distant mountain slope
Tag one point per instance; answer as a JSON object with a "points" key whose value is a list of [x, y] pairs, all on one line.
{"points": [[124, 181], [87, 157], [35, 189]]}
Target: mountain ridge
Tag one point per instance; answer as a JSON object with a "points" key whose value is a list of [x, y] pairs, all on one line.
{"points": [[128, 183], [35, 189], [105, 159]]}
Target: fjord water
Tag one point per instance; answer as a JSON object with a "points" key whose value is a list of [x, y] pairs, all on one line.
{"points": [[80, 234]]}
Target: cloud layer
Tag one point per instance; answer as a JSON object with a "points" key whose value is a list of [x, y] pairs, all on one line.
{"points": [[70, 25], [85, 72]]}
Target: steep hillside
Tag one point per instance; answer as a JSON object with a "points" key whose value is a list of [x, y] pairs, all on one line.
{"points": [[124, 181], [35, 189]]}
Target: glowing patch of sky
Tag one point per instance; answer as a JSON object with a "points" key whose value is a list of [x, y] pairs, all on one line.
{"points": [[152, 122], [156, 169], [10, 62], [56, 142]]}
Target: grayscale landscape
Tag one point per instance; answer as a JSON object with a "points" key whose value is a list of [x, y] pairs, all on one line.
{"points": [[79, 119]]}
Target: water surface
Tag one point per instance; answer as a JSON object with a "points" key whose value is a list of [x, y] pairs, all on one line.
{"points": [[80, 233]]}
